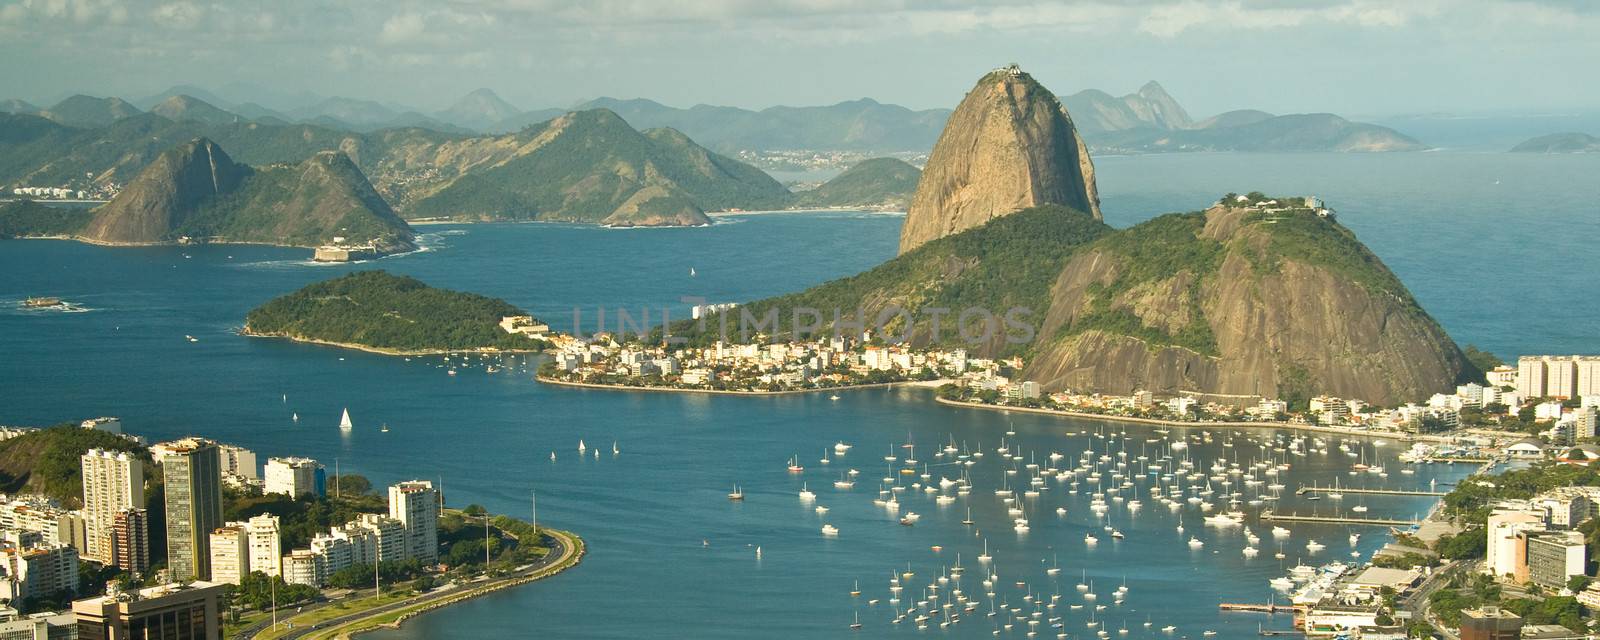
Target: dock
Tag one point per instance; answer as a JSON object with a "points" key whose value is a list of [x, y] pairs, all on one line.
{"points": [[1270, 607], [1371, 492], [1269, 516]]}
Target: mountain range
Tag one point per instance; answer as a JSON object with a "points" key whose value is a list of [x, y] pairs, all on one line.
{"points": [[1149, 120]]}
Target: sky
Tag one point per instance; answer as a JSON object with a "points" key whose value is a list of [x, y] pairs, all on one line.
{"points": [[1354, 57]]}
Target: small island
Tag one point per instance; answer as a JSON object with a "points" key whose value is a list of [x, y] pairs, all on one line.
{"points": [[384, 313], [1560, 143]]}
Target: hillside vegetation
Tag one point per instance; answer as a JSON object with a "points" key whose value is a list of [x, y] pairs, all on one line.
{"points": [[27, 219], [382, 311], [47, 461], [878, 183]]}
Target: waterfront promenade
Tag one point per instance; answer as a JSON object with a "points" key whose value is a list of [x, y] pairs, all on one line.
{"points": [[1397, 435], [733, 392], [566, 551]]}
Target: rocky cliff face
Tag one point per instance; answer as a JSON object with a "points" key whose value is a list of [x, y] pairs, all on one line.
{"points": [[167, 192], [1009, 145], [1241, 302]]}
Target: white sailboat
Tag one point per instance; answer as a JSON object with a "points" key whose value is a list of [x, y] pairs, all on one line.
{"points": [[344, 421]]}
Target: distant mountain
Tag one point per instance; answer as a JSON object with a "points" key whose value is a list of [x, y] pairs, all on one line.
{"points": [[258, 113], [1152, 121], [1094, 111], [590, 166], [1299, 132], [149, 102], [1560, 143], [862, 125], [181, 108], [195, 190], [17, 106], [480, 110], [349, 111], [88, 111], [879, 183], [1234, 119]]}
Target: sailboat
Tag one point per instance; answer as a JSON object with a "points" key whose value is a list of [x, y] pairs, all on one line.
{"points": [[857, 624], [737, 494], [614, 449], [385, 428], [581, 447], [295, 416], [344, 421], [691, 272]]}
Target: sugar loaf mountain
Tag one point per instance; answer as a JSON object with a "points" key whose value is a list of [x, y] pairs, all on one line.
{"points": [[1253, 295]]}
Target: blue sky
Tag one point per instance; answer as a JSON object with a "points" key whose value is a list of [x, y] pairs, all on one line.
{"points": [[1356, 57]]}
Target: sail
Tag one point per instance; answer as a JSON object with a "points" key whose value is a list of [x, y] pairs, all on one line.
{"points": [[344, 421]]}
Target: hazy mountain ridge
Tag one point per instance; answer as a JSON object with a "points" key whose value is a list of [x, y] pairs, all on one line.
{"points": [[1571, 142]]}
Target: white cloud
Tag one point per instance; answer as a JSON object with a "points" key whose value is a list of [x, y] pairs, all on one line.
{"points": [[179, 15], [402, 28]]}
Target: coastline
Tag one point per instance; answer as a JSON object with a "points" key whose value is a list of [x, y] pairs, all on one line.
{"points": [[728, 392], [886, 212], [246, 332], [1403, 437], [573, 551]]}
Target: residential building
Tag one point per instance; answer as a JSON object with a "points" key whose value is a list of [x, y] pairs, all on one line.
{"points": [[1588, 422], [1564, 509], [1506, 555], [1558, 376], [238, 462], [295, 477], [1554, 557], [300, 567], [333, 554], [230, 554], [416, 505], [40, 571], [192, 470], [388, 536], [130, 540], [42, 626], [39, 515], [266, 544], [182, 611], [1490, 623], [113, 481]]}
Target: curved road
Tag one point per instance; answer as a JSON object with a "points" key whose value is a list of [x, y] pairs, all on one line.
{"points": [[562, 541]]}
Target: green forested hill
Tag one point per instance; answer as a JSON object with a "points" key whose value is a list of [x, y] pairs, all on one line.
{"points": [[382, 311], [47, 461], [26, 218], [885, 183]]}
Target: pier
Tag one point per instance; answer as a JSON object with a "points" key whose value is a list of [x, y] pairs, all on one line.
{"points": [[1371, 492], [1269, 516], [1270, 607]]}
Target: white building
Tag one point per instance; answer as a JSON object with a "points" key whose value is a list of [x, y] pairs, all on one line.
{"points": [[1506, 555], [238, 461], [230, 553], [415, 504], [300, 567], [294, 477], [113, 481], [266, 544], [41, 571]]}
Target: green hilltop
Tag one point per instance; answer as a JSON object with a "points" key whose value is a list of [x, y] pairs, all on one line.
{"points": [[878, 183], [380, 311]]}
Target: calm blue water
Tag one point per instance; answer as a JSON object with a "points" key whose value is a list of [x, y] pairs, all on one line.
{"points": [[1505, 266]]}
